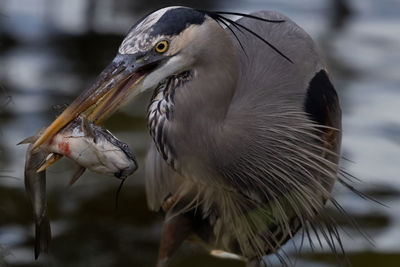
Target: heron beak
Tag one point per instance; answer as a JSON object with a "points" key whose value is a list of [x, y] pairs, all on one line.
{"points": [[118, 82]]}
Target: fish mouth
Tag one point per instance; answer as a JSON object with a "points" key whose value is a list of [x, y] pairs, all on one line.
{"points": [[118, 83]]}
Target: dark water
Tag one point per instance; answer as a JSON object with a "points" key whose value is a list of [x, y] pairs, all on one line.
{"points": [[51, 50]]}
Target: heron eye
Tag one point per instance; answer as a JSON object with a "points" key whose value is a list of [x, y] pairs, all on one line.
{"points": [[161, 46]]}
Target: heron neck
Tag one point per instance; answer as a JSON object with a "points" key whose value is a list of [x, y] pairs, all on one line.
{"points": [[200, 109], [207, 97], [200, 104]]}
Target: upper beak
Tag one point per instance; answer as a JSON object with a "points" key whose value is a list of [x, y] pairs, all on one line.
{"points": [[120, 79]]}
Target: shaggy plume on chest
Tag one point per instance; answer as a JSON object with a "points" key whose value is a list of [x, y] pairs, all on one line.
{"points": [[161, 112]]}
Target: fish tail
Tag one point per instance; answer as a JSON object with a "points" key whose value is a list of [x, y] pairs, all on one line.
{"points": [[43, 236]]}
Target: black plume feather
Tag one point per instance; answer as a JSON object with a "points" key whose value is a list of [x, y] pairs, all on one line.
{"points": [[218, 16]]}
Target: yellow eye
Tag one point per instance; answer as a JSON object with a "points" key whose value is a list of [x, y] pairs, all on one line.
{"points": [[161, 46]]}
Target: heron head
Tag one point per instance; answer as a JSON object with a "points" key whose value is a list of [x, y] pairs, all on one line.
{"points": [[166, 42], [162, 44]]}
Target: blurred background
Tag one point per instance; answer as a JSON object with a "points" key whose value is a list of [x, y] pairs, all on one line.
{"points": [[50, 50]]}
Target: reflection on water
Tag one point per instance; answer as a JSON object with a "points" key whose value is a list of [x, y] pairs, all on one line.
{"points": [[50, 50]]}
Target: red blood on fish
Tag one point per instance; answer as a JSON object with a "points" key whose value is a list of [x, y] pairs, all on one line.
{"points": [[64, 147]]}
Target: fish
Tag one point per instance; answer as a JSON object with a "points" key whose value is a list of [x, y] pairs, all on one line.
{"points": [[91, 147]]}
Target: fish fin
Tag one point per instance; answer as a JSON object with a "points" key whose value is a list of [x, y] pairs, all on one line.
{"points": [[42, 236], [50, 160], [32, 139], [88, 129], [28, 140], [76, 176]]}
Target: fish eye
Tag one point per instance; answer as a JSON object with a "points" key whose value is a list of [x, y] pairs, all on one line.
{"points": [[161, 46]]}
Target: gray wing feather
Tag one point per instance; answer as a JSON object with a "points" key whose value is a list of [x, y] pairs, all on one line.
{"points": [[161, 180], [268, 73]]}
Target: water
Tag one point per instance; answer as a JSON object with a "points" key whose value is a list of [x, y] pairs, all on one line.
{"points": [[51, 50]]}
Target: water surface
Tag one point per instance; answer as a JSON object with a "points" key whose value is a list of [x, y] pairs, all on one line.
{"points": [[51, 50]]}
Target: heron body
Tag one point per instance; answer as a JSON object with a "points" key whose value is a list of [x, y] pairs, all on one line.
{"points": [[245, 122], [228, 133]]}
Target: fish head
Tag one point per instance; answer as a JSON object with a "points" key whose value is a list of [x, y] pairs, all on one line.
{"points": [[114, 157]]}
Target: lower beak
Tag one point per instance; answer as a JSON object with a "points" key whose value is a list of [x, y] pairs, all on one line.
{"points": [[118, 82]]}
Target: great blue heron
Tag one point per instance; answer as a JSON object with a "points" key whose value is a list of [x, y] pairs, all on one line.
{"points": [[246, 127]]}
